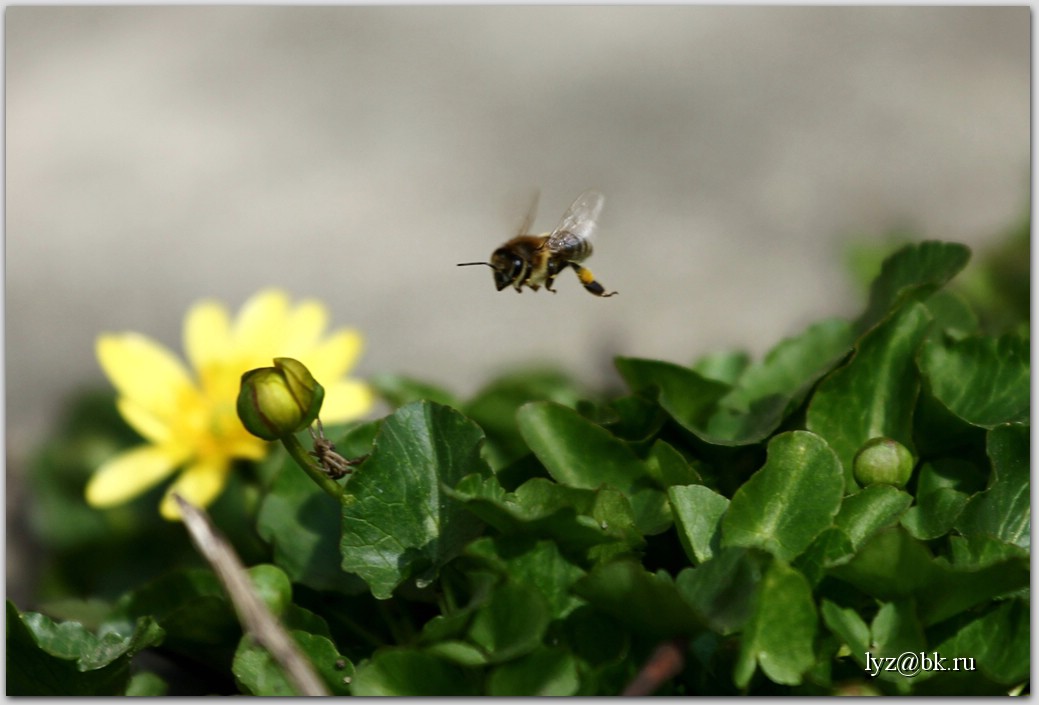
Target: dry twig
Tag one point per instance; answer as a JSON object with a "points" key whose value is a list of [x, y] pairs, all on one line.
{"points": [[257, 620], [666, 662]]}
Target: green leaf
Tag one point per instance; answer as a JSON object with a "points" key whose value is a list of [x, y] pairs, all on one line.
{"points": [[579, 453], [790, 501], [952, 313], [146, 685], [399, 390], [303, 524], [90, 612], [938, 432], [698, 513], [874, 394], [781, 629], [258, 674], [494, 408], [688, 397], [869, 510], [998, 640], [578, 519], [934, 513], [953, 473], [272, 586], [985, 381], [512, 622], [647, 603], [889, 566], [548, 671], [722, 590], [893, 565], [412, 673], [398, 523], [765, 394], [730, 427], [667, 467], [1003, 511], [771, 390], [575, 451], [458, 652], [596, 639], [62, 659], [632, 417], [895, 630], [831, 547], [978, 551], [916, 269], [193, 609], [849, 627], [302, 619], [724, 367], [1001, 285], [538, 565], [453, 623]]}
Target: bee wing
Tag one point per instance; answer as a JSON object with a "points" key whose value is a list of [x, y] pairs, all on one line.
{"points": [[580, 220], [528, 219]]}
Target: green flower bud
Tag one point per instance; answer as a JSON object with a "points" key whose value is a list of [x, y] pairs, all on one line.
{"points": [[278, 401], [883, 460]]}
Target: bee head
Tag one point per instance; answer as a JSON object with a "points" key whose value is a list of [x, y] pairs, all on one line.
{"points": [[508, 267]]}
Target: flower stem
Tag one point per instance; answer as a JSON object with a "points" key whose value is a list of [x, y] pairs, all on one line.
{"points": [[317, 474]]}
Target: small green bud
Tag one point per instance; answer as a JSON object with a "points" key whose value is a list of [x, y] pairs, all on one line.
{"points": [[883, 460], [275, 402], [272, 586]]}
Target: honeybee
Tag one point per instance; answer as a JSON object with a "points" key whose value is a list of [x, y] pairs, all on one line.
{"points": [[535, 260]]}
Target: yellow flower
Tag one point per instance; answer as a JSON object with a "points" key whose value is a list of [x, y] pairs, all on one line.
{"points": [[188, 418]]}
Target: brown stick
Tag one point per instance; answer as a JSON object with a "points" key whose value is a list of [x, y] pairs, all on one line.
{"points": [[666, 662], [257, 620]]}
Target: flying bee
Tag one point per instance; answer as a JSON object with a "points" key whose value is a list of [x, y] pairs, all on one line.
{"points": [[535, 260]]}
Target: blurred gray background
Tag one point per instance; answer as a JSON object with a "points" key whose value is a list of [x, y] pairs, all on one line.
{"points": [[159, 155]]}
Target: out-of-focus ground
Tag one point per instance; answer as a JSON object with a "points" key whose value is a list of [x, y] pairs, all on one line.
{"points": [[157, 155]]}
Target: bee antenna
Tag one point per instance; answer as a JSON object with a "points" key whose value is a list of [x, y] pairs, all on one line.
{"points": [[469, 264]]}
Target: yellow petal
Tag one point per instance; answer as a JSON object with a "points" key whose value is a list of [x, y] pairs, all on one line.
{"points": [[199, 483], [346, 400], [306, 323], [129, 474], [260, 324], [335, 356], [247, 447], [151, 427], [144, 371], [207, 334]]}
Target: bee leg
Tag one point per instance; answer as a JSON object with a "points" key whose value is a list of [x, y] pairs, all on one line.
{"points": [[550, 274], [588, 281]]}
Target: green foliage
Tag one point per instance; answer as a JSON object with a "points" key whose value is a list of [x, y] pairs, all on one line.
{"points": [[875, 393], [398, 523], [779, 634], [48, 658], [539, 540], [980, 379], [789, 501], [256, 672]]}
